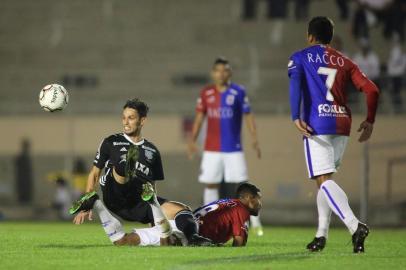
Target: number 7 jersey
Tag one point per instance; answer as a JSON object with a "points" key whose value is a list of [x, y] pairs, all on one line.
{"points": [[319, 76]]}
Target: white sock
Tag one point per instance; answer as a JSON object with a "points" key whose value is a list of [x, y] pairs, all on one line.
{"points": [[111, 225], [210, 195], [338, 202], [324, 215], [160, 219], [255, 222]]}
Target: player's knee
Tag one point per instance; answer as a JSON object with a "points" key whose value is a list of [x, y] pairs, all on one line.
{"points": [[323, 178]]}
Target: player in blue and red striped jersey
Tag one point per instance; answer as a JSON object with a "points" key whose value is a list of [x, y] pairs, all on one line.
{"points": [[219, 221], [227, 219], [318, 76], [225, 105]]}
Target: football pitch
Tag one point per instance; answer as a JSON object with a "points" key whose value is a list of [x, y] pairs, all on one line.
{"points": [[65, 246]]}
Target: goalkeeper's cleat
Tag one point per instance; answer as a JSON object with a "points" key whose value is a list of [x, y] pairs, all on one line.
{"points": [[317, 244], [131, 159], [85, 203], [148, 191], [200, 241], [359, 237], [258, 231]]}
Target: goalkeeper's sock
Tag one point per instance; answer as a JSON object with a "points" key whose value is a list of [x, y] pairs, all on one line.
{"points": [[111, 225]]}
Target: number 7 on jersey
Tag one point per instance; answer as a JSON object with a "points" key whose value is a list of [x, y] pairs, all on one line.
{"points": [[331, 76]]}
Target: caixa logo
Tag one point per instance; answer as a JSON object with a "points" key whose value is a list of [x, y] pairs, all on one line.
{"points": [[331, 109]]}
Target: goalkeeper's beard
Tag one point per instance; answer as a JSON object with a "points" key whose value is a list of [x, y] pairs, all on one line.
{"points": [[134, 133]]}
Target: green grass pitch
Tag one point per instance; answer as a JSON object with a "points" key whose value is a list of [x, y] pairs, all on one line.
{"points": [[65, 246]]}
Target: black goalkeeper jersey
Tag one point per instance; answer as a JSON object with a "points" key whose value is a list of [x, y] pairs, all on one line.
{"points": [[125, 199], [113, 150]]}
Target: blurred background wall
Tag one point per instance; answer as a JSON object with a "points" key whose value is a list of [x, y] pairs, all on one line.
{"points": [[107, 51]]}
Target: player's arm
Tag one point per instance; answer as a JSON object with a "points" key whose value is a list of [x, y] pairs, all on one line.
{"points": [[295, 96], [250, 122], [239, 241], [371, 92], [197, 125], [93, 178], [100, 160], [252, 128], [239, 227], [157, 169]]}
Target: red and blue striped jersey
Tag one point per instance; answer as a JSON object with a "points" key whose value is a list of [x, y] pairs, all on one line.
{"points": [[224, 112], [223, 219], [319, 76]]}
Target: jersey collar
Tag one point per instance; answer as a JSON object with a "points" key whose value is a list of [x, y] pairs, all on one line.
{"points": [[227, 89], [131, 141]]}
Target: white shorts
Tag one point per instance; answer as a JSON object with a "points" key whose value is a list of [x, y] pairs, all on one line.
{"points": [[217, 166], [324, 153], [152, 236]]}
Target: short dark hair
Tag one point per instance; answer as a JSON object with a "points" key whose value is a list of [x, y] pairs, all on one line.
{"points": [[245, 188], [222, 61], [138, 105], [321, 28]]}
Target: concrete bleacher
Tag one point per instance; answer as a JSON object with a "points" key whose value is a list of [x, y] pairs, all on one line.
{"points": [[136, 48]]}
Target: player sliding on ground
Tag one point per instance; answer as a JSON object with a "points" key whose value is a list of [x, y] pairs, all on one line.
{"points": [[130, 161], [219, 221], [319, 76]]}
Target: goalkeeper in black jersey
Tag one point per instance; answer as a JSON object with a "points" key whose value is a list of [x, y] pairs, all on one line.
{"points": [[129, 161]]}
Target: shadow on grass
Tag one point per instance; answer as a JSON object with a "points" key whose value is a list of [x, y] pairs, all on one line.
{"points": [[70, 246], [291, 256]]}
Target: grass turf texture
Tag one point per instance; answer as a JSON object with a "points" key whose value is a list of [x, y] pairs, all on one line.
{"points": [[65, 246]]}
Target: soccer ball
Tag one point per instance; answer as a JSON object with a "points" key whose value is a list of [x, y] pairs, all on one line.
{"points": [[53, 97]]}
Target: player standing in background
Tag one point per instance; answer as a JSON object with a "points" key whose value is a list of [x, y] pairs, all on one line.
{"points": [[318, 78], [224, 104]]}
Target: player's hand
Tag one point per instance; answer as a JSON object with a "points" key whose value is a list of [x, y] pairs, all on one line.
{"points": [[304, 128], [192, 150], [366, 131], [257, 149], [81, 217]]}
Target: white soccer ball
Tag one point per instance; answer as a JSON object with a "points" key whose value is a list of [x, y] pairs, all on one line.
{"points": [[53, 97]]}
